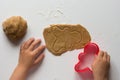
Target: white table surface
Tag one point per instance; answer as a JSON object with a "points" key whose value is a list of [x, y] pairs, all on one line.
{"points": [[100, 17]]}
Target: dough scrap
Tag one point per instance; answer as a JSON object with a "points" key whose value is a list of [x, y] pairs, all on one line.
{"points": [[15, 28], [60, 38]]}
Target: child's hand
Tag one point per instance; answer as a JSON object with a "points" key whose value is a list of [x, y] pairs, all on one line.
{"points": [[101, 66], [30, 53]]}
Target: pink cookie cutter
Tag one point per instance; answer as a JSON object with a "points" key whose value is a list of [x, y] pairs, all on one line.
{"points": [[90, 49]]}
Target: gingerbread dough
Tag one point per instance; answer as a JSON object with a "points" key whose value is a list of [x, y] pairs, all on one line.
{"points": [[60, 38], [15, 28]]}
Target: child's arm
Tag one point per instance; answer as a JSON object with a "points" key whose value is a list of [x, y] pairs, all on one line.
{"points": [[101, 66], [28, 58]]}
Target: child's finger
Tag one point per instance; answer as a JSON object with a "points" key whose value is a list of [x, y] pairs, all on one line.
{"points": [[22, 45], [100, 54], [105, 56], [28, 43], [38, 50], [108, 58], [36, 42], [39, 58]]}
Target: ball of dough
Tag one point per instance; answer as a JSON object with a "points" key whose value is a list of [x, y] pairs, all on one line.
{"points": [[15, 27]]}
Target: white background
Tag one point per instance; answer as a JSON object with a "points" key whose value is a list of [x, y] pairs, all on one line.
{"points": [[100, 17]]}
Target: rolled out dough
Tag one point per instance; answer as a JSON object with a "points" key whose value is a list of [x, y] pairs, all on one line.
{"points": [[60, 38]]}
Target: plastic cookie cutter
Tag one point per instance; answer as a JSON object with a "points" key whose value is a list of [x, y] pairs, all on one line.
{"points": [[86, 58]]}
